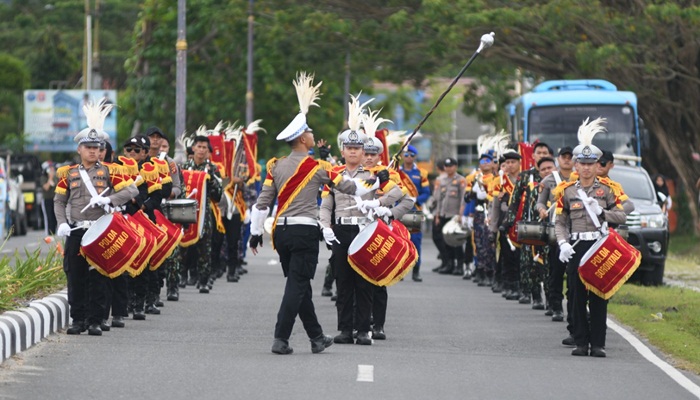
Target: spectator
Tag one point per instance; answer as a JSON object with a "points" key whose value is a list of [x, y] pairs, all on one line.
{"points": [[48, 184], [663, 197]]}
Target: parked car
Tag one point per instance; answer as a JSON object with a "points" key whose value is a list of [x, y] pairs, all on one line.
{"points": [[648, 224]]}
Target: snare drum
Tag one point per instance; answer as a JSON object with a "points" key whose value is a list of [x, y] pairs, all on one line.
{"points": [[413, 221], [533, 233], [181, 211], [110, 245], [551, 234]]}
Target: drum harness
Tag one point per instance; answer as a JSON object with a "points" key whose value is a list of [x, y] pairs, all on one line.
{"points": [[589, 236]]}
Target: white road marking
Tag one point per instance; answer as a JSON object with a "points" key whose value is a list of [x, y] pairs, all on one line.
{"points": [[365, 373], [646, 352]]}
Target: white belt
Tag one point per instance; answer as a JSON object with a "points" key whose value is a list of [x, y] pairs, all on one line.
{"points": [[83, 224], [297, 221], [585, 236], [352, 220]]}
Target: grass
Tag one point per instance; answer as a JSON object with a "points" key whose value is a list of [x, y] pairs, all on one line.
{"points": [[30, 276]]}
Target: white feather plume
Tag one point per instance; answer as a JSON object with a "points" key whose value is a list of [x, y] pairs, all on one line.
{"points": [[398, 137], [185, 140], [500, 142], [587, 130], [254, 127], [95, 114], [371, 121], [233, 132], [201, 131], [307, 93], [219, 128], [484, 143], [355, 112]]}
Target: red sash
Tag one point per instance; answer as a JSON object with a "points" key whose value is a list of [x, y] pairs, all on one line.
{"points": [[195, 180], [250, 143]]}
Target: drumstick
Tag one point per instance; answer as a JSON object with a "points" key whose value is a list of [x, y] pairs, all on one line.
{"points": [[512, 246], [194, 191], [99, 195], [548, 211]]}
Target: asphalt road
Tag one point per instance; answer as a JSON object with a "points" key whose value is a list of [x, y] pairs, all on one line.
{"points": [[447, 339]]}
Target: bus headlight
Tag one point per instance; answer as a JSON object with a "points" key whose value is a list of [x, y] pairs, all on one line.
{"points": [[653, 221]]}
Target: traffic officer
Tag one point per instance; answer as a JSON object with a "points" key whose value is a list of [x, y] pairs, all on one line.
{"points": [[449, 196], [84, 193], [576, 232], [415, 182], [294, 181]]}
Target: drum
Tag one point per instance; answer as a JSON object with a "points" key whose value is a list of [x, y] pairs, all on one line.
{"points": [[160, 236], [143, 257], [551, 234], [532, 232], [454, 234], [173, 235], [195, 180], [413, 220], [110, 245], [607, 265], [181, 211], [624, 231], [379, 255], [400, 230]]}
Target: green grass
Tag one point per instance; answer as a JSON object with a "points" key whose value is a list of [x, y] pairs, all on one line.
{"points": [[684, 246], [669, 317]]}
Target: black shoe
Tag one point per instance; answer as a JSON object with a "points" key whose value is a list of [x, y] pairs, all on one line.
{"points": [[244, 262], [457, 271], [76, 328], [281, 346], [105, 326], [220, 273], [445, 270], [158, 302], [378, 333], [334, 297], [549, 312], [363, 338], [152, 309], [233, 277], [173, 294], [524, 299], [581, 351], [569, 341], [118, 322], [514, 295], [204, 289], [598, 352], [182, 283], [94, 330], [417, 278], [210, 283], [139, 315], [537, 305], [496, 287], [558, 316], [325, 292], [437, 269], [321, 343], [344, 338], [192, 281]]}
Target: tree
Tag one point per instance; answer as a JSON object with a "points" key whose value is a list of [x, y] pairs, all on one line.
{"points": [[14, 78]]}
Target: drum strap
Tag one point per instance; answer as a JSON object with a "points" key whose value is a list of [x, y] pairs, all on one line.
{"points": [[88, 185], [594, 217], [557, 178]]}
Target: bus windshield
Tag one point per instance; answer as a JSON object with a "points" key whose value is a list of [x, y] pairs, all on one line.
{"points": [[557, 126]]}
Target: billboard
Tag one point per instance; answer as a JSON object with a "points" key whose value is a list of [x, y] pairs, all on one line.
{"points": [[52, 118]]}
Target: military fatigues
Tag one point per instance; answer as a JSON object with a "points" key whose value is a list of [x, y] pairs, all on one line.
{"points": [[296, 239], [572, 219], [449, 196], [346, 225], [86, 286], [198, 256], [171, 265]]}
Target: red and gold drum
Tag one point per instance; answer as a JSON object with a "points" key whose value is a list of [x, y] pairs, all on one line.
{"points": [[160, 236], [110, 245], [379, 255], [400, 229], [149, 249], [607, 265], [173, 235]]}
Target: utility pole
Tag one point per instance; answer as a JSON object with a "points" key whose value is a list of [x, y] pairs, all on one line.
{"points": [[96, 77], [249, 89], [87, 53], [181, 80], [346, 95]]}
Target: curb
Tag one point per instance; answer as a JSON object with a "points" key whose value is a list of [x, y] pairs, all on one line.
{"points": [[21, 329]]}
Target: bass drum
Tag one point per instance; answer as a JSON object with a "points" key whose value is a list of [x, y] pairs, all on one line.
{"points": [[454, 233]]}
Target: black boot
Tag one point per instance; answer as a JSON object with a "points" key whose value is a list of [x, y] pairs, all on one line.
{"points": [[173, 294], [232, 275], [515, 291], [76, 328], [537, 300]]}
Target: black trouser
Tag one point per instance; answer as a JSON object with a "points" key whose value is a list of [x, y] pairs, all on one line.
{"points": [[379, 303], [469, 250], [586, 332], [510, 263], [232, 236], [49, 216], [451, 256], [557, 269], [86, 286], [141, 288], [439, 240], [117, 297], [350, 284], [297, 246]]}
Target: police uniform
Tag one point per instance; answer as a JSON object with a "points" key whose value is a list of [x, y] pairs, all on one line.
{"points": [[79, 187], [576, 232], [449, 196], [421, 188]]}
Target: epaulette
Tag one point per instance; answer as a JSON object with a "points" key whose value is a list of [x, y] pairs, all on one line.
{"points": [[271, 163], [423, 173], [338, 168], [558, 191], [615, 187], [62, 172], [114, 169], [131, 167]]}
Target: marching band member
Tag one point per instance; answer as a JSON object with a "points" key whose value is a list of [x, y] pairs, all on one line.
{"points": [[83, 194], [415, 181], [294, 181], [449, 196], [578, 201]]}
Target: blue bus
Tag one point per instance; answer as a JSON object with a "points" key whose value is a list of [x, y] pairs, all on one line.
{"points": [[553, 111]]}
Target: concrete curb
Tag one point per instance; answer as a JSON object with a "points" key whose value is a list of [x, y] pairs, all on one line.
{"points": [[23, 328]]}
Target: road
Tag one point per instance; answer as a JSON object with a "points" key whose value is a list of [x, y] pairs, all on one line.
{"points": [[447, 339]]}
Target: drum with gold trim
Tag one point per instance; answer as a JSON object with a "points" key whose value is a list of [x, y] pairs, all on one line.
{"points": [[607, 265], [110, 245], [149, 249], [381, 256]]}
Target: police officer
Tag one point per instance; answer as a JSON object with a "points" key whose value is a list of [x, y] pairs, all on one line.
{"points": [[84, 193], [449, 196], [576, 232], [294, 181], [418, 187]]}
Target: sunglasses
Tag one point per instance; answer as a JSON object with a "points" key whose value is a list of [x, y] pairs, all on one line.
{"points": [[603, 163], [409, 155], [134, 149]]}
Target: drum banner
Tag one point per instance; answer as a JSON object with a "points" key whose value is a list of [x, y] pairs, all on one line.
{"points": [[290, 190], [607, 265], [513, 230], [217, 217], [381, 135], [229, 150], [527, 161], [238, 201], [409, 186], [195, 180], [114, 247], [142, 259], [250, 143], [218, 155], [173, 235]]}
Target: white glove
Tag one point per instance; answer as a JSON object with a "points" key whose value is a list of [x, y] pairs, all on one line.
{"points": [[246, 219], [99, 201], [362, 188], [463, 220], [566, 251], [63, 230], [594, 206], [366, 205], [382, 211], [480, 193], [470, 223], [257, 220], [329, 236]]}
